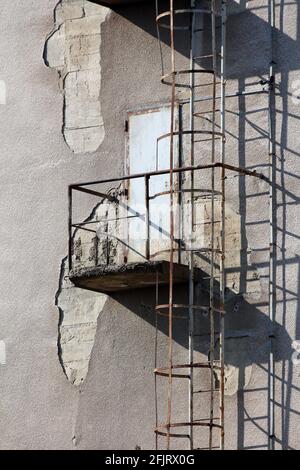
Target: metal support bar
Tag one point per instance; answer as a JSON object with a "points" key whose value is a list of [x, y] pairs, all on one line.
{"points": [[212, 238], [191, 253], [70, 227], [147, 200], [242, 171], [171, 260], [272, 224], [222, 227], [97, 193], [229, 95]]}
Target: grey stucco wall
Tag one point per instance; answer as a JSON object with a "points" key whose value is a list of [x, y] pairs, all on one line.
{"points": [[114, 407]]}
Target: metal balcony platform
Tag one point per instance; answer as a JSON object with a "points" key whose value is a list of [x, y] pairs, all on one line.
{"points": [[116, 278]]}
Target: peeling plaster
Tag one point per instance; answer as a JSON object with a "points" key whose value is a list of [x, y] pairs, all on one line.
{"points": [[73, 50], [79, 311]]}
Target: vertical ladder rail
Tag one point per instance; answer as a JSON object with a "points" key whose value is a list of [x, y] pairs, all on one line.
{"points": [[212, 243], [272, 236], [222, 228], [170, 348], [191, 231]]}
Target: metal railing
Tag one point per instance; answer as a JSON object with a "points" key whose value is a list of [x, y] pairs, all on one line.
{"points": [[89, 189]]}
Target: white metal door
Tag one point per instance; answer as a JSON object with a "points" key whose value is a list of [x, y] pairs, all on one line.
{"points": [[147, 152]]}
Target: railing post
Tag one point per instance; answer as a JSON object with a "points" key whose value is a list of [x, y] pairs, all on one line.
{"points": [[70, 227], [147, 246]]}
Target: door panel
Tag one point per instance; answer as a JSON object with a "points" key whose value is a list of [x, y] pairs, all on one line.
{"points": [[146, 153]]}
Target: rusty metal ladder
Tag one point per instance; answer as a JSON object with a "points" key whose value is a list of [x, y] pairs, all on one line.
{"points": [[172, 429]]}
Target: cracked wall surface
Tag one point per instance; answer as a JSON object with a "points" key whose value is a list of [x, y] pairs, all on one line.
{"points": [[40, 408], [73, 50]]}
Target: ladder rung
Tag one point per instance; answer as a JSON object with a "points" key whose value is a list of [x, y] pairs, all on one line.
{"points": [[207, 84], [207, 391], [202, 308], [207, 56], [207, 278], [206, 419], [206, 140], [164, 371], [205, 118], [164, 429], [207, 448], [208, 364], [202, 250], [182, 250], [206, 112]]}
